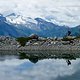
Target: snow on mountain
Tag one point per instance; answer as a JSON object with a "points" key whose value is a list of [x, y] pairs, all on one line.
{"points": [[15, 19], [61, 12], [17, 25], [7, 29], [38, 26], [42, 17], [20, 20]]}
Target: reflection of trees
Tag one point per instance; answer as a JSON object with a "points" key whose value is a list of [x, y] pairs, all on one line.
{"points": [[31, 58], [68, 62], [22, 55], [34, 57], [34, 60], [68, 56]]}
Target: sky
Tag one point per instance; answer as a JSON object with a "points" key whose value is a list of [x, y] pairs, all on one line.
{"points": [[62, 12]]}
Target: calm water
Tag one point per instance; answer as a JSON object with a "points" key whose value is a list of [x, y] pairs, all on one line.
{"points": [[36, 67]]}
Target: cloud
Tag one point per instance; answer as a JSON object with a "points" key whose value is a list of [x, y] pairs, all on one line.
{"points": [[66, 12], [43, 70]]}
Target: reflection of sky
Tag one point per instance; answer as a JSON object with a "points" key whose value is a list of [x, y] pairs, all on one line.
{"points": [[43, 70]]}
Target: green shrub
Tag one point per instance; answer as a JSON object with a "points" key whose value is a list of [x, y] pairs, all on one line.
{"points": [[67, 39], [23, 40]]}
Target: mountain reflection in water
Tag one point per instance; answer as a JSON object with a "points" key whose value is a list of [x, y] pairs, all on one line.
{"points": [[54, 65]]}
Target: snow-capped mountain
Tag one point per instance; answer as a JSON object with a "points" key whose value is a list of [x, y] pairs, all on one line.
{"points": [[38, 26], [60, 12], [17, 25], [7, 29]]}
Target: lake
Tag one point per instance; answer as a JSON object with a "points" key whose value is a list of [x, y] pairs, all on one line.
{"points": [[44, 65]]}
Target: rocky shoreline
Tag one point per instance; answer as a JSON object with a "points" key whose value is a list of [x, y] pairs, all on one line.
{"points": [[42, 44]]}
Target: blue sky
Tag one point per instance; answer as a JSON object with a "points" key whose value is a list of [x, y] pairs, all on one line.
{"points": [[62, 12]]}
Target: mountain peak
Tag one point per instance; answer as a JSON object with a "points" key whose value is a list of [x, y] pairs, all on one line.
{"points": [[12, 14], [40, 20]]}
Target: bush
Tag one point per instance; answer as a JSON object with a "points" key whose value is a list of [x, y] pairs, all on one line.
{"points": [[23, 40], [67, 39]]}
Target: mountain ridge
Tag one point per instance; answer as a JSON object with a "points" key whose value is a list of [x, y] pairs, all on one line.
{"points": [[37, 26]]}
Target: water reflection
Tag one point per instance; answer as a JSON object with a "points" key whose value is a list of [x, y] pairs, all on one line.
{"points": [[51, 66], [35, 57], [68, 62]]}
